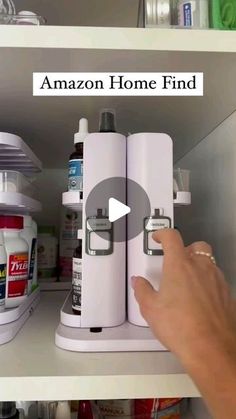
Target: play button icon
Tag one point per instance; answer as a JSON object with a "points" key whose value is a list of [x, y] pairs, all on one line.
{"points": [[117, 210], [105, 209]]}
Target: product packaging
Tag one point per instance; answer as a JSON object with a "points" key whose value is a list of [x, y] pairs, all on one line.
{"points": [[47, 254], [193, 14], [158, 408], [116, 408], [3, 272], [223, 14], [28, 234], [77, 276], [70, 224], [17, 260], [75, 182]]}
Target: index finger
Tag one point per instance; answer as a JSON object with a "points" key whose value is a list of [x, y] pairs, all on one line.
{"points": [[171, 242]]}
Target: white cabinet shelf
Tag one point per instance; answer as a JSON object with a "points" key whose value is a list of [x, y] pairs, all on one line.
{"points": [[16, 155], [72, 200], [46, 372], [71, 37], [18, 202], [12, 320]]}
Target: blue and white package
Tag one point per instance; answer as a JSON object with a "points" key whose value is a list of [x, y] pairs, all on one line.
{"points": [[193, 13]]}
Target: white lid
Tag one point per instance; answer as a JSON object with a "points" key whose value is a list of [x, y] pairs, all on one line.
{"points": [[80, 136], [80, 234], [28, 16], [27, 221]]}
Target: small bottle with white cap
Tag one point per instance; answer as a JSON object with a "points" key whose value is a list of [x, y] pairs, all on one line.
{"points": [[77, 276], [76, 158]]}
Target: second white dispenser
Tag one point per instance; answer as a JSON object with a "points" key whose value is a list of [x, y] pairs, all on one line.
{"points": [[150, 164]]}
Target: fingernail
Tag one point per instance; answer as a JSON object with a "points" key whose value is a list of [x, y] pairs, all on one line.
{"points": [[133, 281]]}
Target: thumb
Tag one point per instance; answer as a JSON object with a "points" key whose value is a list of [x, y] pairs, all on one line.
{"points": [[143, 291]]}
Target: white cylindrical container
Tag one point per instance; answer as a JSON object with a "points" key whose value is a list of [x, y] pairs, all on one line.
{"points": [[47, 254], [3, 271], [28, 234], [63, 410], [35, 273], [193, 13], [103, 301], [17, 260], [144, 256]]}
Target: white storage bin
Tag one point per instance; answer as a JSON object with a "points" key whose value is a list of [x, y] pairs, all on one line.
{"points": [[12, 181]]}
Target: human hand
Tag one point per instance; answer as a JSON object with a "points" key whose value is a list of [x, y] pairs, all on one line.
{"points": [[193, 308]]}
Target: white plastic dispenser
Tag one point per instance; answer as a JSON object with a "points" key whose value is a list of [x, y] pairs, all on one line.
{"points": [[106, 269], [103, 276], [150, 164]]}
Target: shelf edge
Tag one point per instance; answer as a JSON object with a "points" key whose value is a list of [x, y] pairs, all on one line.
{"points": [[97, 387], [112, 38]]}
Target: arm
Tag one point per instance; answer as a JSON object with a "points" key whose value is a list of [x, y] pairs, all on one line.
{"points": [[194, 316]]}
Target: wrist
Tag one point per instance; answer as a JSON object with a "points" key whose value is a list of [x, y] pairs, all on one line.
{"points": [[210, 353]]}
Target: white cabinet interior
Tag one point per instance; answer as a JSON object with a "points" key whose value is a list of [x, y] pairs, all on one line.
{"points": [[48, 124], [212, 217]]}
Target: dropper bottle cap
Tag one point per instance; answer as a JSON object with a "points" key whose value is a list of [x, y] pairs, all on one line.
{"points": [[80, 136], [107, 121]]}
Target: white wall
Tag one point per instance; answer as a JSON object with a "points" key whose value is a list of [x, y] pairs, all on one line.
{"points": [[212, 216], [50, 185]]}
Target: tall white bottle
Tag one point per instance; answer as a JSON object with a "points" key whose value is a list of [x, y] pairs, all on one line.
{"points": [[150, 164], [103, 302]]}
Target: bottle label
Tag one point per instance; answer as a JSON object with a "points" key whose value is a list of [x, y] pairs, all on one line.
{"points": [[76, 284], [3, 270], [76, 175], [17, 275], [193, 14], [32, 259], [187, 11], [153, 223]]}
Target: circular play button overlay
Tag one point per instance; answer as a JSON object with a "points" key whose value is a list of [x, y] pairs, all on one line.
{"points": [[107, 206]]}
